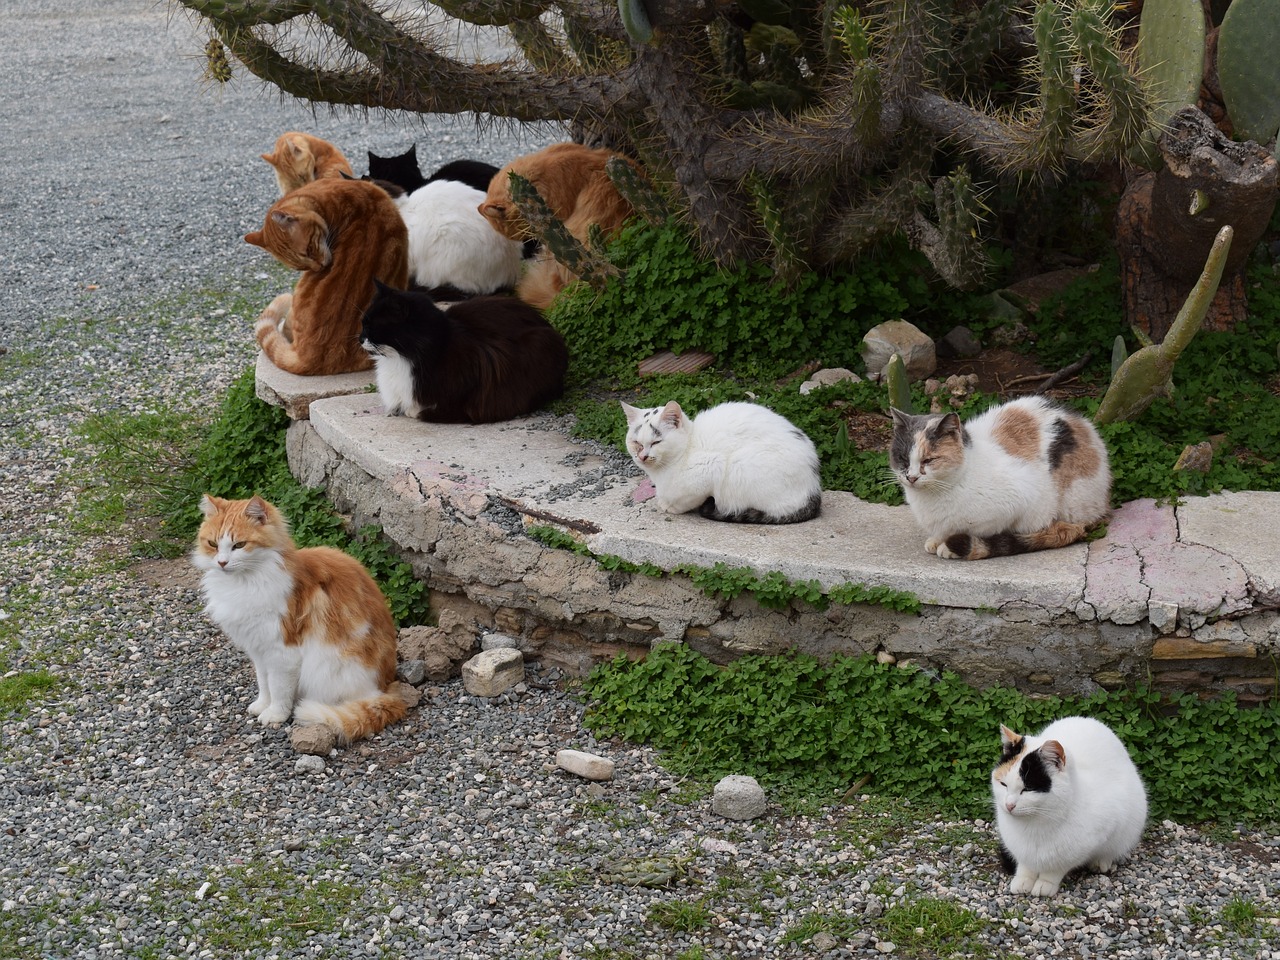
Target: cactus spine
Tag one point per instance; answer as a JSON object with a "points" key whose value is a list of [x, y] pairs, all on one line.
{"points": [[637, 191], [566, 248]]}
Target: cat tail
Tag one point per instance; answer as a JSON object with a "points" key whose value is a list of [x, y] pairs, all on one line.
{"points": [[1007, 861], [807, 511], [353, 719], [964, 546]]}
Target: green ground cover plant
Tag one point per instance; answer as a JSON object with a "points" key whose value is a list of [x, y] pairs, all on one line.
{"points": [[818, 728]]}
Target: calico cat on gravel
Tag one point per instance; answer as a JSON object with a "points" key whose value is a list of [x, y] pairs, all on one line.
{"points": [[739, 462], [1025, 475], [343, 235], [1068, 797], [314, 623]]}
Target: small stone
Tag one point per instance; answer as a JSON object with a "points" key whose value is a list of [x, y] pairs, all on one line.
{"points": [[585, 765], [886, 946], [1163, 615], [491, 673], [410, 695], [738, 798], [293, 846], [885, 658], [499, 641], [824, 942], [826, 377], [897, 336], [315, 739], [873, 908], [412, 671], [1197, 456], [960, 342], [309, 764], [397, 914]]}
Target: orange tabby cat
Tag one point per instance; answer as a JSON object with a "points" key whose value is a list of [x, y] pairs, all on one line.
{"points": [[571, 178], [342, 234], [299, 158], [314, 623]]}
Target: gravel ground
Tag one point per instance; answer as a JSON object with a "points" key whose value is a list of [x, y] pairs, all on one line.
{"points": [[142, 813]]}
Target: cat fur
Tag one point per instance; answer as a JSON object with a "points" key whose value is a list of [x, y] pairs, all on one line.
{"points": [[571, 178], [483, 360], [1068, 797], [1025, 475], [313, 622], [452, 250], [738, 462], [342, 235], [300, 158]]}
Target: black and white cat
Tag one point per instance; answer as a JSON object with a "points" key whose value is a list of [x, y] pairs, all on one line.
{"points": [[483, 360], [1068, 797], [404, 172], [736, 461]]}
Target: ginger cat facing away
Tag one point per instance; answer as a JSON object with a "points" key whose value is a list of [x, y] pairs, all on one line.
{"points": [[312, 620], [300, 158], [342, 235], [571, 178]]}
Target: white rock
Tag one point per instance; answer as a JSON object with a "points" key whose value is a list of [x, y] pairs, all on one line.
{"points": [[1163, 615], [905, 339], [309, 764], [492, 672], [585, 765], [827, 376], [738, 798], [499, 641]]}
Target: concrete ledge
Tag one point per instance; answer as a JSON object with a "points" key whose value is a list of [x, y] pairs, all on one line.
{"points": [[456, 500]]}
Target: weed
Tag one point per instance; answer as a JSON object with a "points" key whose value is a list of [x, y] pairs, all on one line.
{"points": [[681, 915], [1241, 917], [842, 926], [929, 927], [798, 724]]}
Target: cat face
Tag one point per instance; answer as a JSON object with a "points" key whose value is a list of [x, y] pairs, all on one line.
{"points": [[295, 233], [238, 536], [657, 436], [401, 170], [499, 209], [926, 449], [1023, 782], [387, 324]]}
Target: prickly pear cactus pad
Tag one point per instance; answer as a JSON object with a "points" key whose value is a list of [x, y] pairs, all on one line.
{"points": [[1249, 68], [1171, 54]]}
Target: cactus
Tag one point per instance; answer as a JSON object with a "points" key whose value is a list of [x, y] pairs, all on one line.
{"points": [[1148, 373], [637, 191], [1171, 55], [584, 263], [635, 20], [217, 66], [787, 257], [895, 378], [1249, 69], [1119, 354]]}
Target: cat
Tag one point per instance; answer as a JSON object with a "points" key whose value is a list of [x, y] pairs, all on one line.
{"points": [[1069, 797], [571, 178], [453, 253], [300, 158], [342, 235], [736, 461], [1025, 475], [314, 623], [481, 361], [404, 172]]}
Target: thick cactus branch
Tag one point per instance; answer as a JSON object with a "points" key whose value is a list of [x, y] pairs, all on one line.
{"points": [[566, 248]]}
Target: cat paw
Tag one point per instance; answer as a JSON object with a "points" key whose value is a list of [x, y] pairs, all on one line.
{"points": [[946, 553], [1103, 866], [1022, 882], [273, 717], [931, 545], [1045, 888], [256, 708]]}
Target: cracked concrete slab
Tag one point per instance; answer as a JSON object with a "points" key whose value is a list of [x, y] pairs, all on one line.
{"points": [[1242, 526]]}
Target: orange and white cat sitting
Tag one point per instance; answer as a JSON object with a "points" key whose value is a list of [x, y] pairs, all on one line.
{"points": [[314, 623], [342, 234], [300, 158], [572, 180]]}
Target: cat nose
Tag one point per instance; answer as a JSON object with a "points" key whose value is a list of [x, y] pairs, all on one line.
{"points": [[912, 478], [1010, 803], [222, 563]]}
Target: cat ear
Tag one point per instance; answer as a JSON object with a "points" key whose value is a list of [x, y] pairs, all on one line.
{"points": [[633, 413], [209, 504], [1051, 752], [282, 220], [344, 175], [493, 211], [256, 510], [672, 414], [904, 419], [255, 238], [1007, 736], [270, 158]]}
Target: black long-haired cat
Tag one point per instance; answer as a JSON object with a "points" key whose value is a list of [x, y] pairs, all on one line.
{"points": [[483, 360], [404, 172]]}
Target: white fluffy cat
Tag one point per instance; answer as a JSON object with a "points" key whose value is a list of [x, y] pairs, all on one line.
{"points": [[736, 461], [452, 246], [1068, 797], [1025, 475]]}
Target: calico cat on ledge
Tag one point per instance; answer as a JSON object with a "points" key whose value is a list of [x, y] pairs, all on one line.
{"points": [[343, 235]]}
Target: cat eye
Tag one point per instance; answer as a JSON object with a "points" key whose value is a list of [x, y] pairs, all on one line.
{"points": [[927, 460], [238, 545], [212, 543]]}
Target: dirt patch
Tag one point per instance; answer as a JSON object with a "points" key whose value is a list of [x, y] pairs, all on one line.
{"points": [[172, 574]]}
